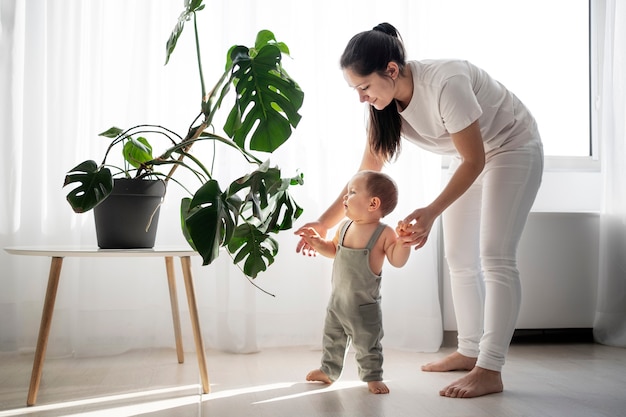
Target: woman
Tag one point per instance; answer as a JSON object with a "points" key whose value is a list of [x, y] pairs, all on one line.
{"points": [[453, 108]]}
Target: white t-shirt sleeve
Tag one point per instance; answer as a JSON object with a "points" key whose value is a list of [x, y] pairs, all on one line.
{"points": [[458, 104]]}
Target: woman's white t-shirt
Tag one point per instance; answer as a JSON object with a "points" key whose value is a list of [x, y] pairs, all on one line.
{"points": [[449, 95]]}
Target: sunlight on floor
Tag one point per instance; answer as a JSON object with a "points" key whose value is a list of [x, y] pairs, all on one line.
{"points": [[334, 387], [171, 403], [247, 390], [143, 408], [96, 401]]}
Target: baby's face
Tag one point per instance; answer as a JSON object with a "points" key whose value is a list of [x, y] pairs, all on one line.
{"points": [[356, 201]]}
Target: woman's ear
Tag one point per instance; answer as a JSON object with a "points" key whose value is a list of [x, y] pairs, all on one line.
{"points": [[393, 71]]}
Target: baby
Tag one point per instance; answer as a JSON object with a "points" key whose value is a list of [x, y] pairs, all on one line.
{"points": [[359, 249]]}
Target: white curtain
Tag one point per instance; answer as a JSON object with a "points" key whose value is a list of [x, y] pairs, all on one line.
{"points": [[71, 69], [610, 323]]}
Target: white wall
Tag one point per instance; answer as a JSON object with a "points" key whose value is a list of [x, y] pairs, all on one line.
{"points": [[569, 191]]}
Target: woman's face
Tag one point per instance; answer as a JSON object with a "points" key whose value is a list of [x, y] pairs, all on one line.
{"points": [[374, 89]]}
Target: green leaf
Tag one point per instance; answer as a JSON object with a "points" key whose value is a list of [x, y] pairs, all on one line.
{"points": [[258, 182], [267, 102], [235, 55], [210, 219], [186, 211], [256, 249], [112, 133], [137, 151], [191, 6], [284, 210], [268, 198], [266, 37], [95, 184]]}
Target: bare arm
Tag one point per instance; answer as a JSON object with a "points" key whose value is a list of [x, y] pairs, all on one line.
{"points": [[397, 253], [320, 245], [469, 144]]}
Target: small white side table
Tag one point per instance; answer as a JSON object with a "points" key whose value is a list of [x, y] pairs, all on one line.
{"points": [[59, 253]]}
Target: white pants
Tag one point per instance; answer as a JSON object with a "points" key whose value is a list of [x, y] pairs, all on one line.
{"points": [[481, 234]]}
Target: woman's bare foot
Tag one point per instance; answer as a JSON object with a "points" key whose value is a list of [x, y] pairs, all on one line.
{"points": [[453, 362], [378, 387], [478, 382], [317, 375]]}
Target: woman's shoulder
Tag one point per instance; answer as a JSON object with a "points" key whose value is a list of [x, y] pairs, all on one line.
{"points": [[439, 70]]}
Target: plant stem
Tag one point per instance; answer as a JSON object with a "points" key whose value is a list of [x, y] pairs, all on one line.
{"points": [[204, 125], [195, 29], [191, 139]]}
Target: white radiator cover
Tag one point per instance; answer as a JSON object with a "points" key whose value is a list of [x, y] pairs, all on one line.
{"points": [[558, 263]]}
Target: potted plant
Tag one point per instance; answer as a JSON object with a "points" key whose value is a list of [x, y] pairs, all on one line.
{"points": [[242, 215]]}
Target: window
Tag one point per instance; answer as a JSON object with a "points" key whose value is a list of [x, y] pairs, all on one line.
{"points": [[539, 49]]}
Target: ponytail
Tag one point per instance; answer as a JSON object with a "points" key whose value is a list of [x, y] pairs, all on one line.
{"points": [[369, 52]]}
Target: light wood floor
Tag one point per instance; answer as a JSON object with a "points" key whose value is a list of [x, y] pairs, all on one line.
{"points": [[547, 380]]}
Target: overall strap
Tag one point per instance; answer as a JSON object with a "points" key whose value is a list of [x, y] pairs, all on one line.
{"points": [[375, 235], [342, 234]]}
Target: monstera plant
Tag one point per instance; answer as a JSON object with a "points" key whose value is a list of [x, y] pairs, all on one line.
{"points": [[240, 216]]}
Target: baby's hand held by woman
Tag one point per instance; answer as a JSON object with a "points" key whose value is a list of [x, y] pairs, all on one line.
{"points": [[403, 228]]}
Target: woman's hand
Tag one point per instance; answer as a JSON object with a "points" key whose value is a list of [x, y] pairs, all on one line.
{"points": [[415, 227], [309, 234]]}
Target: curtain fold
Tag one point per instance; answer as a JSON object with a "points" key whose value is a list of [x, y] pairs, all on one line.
{"points": [[610, 322], [72, 69]]}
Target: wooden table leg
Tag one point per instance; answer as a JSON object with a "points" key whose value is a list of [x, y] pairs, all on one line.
{"points": [[195, 323], [171, 281], [44, 329]]}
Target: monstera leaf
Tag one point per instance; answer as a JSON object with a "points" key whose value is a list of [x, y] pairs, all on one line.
{"points": [[255, 248], [95, 184], [267, 100], [285, 210], [268, 197], [209, 219], [258, 184]]}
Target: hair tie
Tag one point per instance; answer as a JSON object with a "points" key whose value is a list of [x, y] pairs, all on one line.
{"points": [[386, 28]]}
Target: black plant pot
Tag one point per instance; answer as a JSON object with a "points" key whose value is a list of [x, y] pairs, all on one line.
{"points": [[129, 216]]}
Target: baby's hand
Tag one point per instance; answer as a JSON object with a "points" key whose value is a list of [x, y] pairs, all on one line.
{"points": [[312, 238], [309, 232], [402, 229]]}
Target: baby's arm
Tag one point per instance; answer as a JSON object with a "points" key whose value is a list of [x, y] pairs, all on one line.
{"points": [[396, 253], [325, 247]]}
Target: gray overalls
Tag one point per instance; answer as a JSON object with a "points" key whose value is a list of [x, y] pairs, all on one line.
{"points": [[353, 314]]}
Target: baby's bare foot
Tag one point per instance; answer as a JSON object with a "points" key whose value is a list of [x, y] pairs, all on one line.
{"points": [[478, 382], [453, 362], [317, 375], [378, 387]]}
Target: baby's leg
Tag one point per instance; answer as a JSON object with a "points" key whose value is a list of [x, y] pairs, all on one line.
{"points": [[334, 346], [369, 351]]}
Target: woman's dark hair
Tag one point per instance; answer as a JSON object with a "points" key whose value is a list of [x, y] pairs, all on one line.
{"points": [[368, 52]]}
